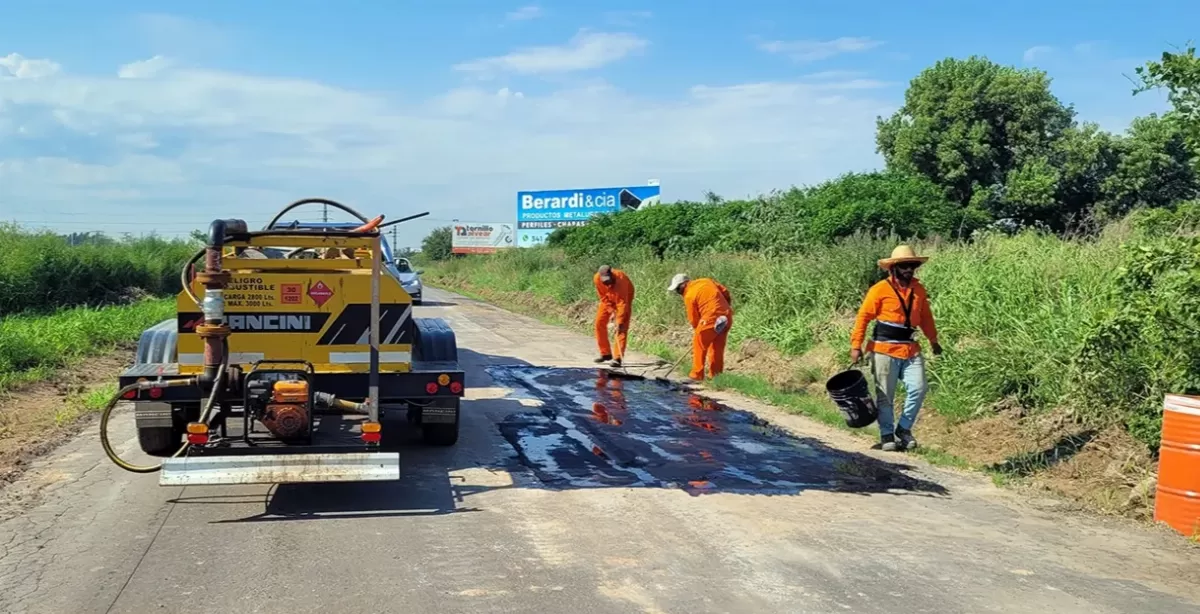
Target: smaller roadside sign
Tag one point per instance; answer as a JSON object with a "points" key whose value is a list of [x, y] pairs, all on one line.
{"points": [[482, 238]]}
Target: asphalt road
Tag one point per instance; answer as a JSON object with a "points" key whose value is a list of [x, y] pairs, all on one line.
{"points": [[573, 493]]}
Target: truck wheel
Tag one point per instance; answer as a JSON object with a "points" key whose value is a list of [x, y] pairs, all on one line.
{"points": [[441, 433], [159, 440]]}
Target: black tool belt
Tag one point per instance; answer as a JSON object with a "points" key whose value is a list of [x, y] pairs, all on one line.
{"points": [[892, 333]]}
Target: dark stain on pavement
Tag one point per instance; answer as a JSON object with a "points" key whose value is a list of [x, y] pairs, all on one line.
{"points": [[593, 430]]}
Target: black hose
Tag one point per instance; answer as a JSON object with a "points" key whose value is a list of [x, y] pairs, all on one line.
{"points": [[318, 201]]}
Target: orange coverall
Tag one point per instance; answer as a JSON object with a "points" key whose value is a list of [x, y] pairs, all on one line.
{"points": [[615, 300], [706, 300]]}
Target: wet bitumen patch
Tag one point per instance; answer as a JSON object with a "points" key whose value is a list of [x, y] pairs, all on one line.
{"points": [[593, 430]]}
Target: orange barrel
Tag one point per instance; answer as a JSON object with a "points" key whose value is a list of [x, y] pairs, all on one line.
{"points": [[1177, 497]]}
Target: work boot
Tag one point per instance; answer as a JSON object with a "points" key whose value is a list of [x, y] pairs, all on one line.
{"points": [[616, 364], [888, 443], [604, 358], [906, 439]]}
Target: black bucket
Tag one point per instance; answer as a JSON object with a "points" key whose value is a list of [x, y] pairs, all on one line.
{"points": [[850, 392]]}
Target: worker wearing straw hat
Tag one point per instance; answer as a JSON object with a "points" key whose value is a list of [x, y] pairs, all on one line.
{"points": [[899, 306]]}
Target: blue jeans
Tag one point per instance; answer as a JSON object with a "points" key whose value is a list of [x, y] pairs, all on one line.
{"points": [[887, 371]]}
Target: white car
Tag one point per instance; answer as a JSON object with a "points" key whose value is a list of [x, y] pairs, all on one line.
{"points": [[410, 279]]}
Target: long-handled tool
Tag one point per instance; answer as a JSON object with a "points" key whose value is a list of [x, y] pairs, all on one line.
{"points": [[663, 377]]}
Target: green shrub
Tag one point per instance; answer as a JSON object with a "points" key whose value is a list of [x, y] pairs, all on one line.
{"points": [[872, 204], [1149, 342]]}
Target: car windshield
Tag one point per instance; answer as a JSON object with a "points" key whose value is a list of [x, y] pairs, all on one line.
{"points": [[403, 266]]}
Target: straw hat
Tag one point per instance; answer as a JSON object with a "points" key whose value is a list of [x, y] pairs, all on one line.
{"points": [[902, 253]]}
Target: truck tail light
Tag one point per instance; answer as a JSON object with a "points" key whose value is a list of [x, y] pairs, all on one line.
{"points": [[456, 387], [197, 433], [371, 432], [431, 388]]}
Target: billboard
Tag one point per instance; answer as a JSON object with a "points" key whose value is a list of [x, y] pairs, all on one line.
{"points": [[540, 213], [480, 238]]}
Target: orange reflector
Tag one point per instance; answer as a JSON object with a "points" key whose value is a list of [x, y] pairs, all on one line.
{"points": [[197, 438], [372, 437], [443, 379], [198, 428], [371, 427]]}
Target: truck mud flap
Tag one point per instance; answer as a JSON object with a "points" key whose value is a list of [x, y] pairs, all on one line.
{"points": [[280, 469]]}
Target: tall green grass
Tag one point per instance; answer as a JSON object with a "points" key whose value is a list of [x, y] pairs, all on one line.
{"points": [[41, 272], [64, 300], [33, 346], [1032, 320]]}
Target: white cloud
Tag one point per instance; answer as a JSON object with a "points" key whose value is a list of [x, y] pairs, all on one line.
{"points": [[812, 50], [144, 69], [525, 13], [585, 51], [19, 67], [1031, 54], [190, 145]]}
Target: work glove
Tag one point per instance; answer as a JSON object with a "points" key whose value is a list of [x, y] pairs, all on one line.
{"points": [[721, 324]]}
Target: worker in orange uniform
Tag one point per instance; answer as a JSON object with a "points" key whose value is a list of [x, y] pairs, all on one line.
{"points": [[899, 305], [616, 301], [710, 313]]}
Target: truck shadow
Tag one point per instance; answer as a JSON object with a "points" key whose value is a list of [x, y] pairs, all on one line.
{"points": [[582, 428]]}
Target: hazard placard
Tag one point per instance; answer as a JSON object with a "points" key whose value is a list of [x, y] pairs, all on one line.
{"points": [[291, 294], [320, 293]]}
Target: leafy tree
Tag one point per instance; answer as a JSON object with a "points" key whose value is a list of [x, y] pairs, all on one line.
{"points": [[1179, 73], [437, 245], [1156, 169], [1058, 189], [967, 124]]}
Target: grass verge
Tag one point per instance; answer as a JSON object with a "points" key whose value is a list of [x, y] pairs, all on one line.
{"points": [[34, 347]]}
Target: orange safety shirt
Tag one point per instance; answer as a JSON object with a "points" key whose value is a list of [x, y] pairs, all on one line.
{"points": [[620, 293], [881, 303], [706, 300]]}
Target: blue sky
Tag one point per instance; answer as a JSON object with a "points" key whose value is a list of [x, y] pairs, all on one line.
{"points": [[166, 115]]}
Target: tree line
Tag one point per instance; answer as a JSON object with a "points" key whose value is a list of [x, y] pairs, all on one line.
{"points": [[975, 146]]}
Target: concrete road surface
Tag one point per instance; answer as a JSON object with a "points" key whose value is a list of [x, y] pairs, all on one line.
{"points": [[574, 493]]}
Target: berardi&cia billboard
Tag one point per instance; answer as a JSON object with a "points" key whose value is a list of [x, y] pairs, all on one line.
{"points": [[539, 213]]}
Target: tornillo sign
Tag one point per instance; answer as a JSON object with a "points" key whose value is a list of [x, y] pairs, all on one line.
{"points": [[474, 231], [482, 238]]}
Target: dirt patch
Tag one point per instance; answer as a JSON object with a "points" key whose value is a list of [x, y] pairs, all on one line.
{"points": [[35, 419], [1112, 474]]}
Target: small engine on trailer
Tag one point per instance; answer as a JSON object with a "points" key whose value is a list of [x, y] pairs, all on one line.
{"points": [[283, 406]]}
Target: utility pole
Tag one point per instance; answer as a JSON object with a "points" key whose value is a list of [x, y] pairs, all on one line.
{"points": [[325, 213]]}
